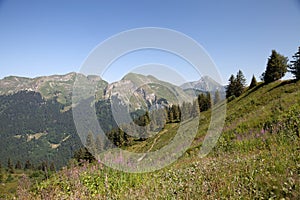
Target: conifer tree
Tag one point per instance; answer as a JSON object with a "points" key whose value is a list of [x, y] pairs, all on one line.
{"points": [[28, 165], [52, 167], [217, 98], [240, 84], [204, 102], [276, 67], [90, 143], [1, 174], [10, 166], [253, 82], [236, 85], [231, 86], [195, 109], [18, 165], [294, 67]]}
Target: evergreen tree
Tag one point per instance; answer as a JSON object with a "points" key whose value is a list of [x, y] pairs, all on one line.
{"points": [[276, 67], [90, 143], [208, 100], [187, 110], [204, 102], [294, 67], [100, 143], [10, 166], [1, 174], [170, 115], [217, 98], [83, 155], [18, 165], [231, 86], [28, 165], [236, 85], [195, 109], [253, 82], [52, 167], [240, 84]]}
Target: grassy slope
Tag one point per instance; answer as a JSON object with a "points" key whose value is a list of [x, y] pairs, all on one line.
{"points": [[257, 156]]}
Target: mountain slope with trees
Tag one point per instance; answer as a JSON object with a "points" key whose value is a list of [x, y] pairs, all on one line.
{"points": [[257, 156]]}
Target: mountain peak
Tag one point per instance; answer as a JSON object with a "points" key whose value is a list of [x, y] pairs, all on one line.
{"points": [[205, 83]]}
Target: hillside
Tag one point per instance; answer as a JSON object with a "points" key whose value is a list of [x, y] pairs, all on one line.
{"points": [[145, 91], [59, 86], [257, 157], [36, 114]]}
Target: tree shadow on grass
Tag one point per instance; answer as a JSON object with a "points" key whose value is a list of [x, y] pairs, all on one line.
{"points": [[254, 89], [291, 81]]}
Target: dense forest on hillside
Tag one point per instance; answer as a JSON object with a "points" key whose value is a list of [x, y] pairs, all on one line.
{"points": [[36, 129]]}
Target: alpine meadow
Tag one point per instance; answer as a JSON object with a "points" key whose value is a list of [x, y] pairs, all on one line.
{"points": [[149, 100]]}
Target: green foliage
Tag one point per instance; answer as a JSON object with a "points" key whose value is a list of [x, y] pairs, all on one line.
{"points": [[253, 82], [32, 124], [236, 85], [204, 102], [257, 157], [294, 67], [83, 154], [18, 165], [276, 67], [217, 97], [10, 166]]}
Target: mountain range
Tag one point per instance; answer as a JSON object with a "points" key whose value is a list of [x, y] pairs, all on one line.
{"points": [[36, 120]]}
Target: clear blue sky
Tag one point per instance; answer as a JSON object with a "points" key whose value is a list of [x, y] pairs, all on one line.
{"points": [[43, 37]]}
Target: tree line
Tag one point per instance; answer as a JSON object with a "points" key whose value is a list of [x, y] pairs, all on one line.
{"points": [[277, 66]]}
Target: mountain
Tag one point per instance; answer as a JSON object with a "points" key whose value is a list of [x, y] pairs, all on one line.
{"points": [[33, 128], [36, 121], [256, 157], [204, 84], [59, 86], [141, 91]]}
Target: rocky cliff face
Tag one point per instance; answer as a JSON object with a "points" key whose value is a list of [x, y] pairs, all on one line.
{"points": [[135, 90], [139, 91]]}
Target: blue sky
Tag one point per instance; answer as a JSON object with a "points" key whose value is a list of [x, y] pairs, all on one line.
{"points": [[56, 36]]}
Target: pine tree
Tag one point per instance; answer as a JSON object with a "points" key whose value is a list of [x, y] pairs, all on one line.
{"points": [[204, 102], [176, 111], [253, 82], [1, 174], [100, 143], [90, 143], [83, 154], [208, 100], [18, 165], [10, 166], [236, 85], [52, 167], [28, 165], [240, 84], [195, 109], [294, 67], [276, 67], [217, 98], [231, 86]]}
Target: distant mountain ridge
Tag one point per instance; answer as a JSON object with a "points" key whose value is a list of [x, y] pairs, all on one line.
{"points": [[59, 86], [204, 84], [132, 87], [36, 113], [135, 88]]}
